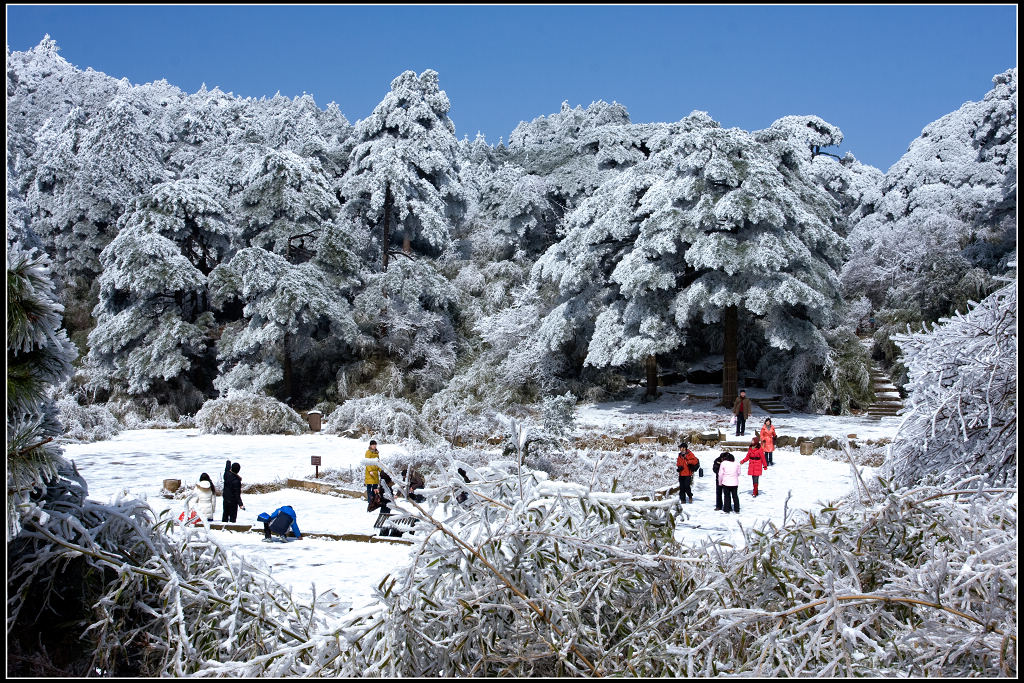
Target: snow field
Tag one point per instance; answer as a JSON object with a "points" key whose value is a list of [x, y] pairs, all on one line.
{"points": [[345, 572]]}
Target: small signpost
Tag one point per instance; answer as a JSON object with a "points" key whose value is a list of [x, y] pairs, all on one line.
{"points": [[315, 461]]}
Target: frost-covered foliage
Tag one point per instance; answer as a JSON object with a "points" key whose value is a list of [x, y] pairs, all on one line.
{"points": [[715, 218], [380, 416], [529, 577], [961, 415], [403, 174], [108, 590], [85, 423], [153, 317], [39, 357], [944, 221], [243, 413]]}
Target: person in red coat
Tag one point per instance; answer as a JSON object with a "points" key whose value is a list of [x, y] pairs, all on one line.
{"points": [[755, 456], [768, 441], [686, 465]]}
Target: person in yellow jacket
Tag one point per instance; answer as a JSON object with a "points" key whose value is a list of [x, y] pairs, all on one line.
{"points": [[372, 476]]}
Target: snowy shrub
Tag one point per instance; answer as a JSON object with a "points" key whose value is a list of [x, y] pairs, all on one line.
{"points": [[85, 424], [244, 413], [134, 412], [558, 414], [536, 578], [961, 414], [391, 418], [109, 590]]}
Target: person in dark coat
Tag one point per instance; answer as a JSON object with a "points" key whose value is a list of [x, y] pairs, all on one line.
{"points": [[741, 408], [718, 487], [232, 492]]}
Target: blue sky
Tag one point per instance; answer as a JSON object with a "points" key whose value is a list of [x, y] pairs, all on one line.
{"points": [[880, 73]]}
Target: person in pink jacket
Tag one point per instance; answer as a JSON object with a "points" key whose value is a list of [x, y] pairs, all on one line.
{"points": [[755, 456], [729, 478]]}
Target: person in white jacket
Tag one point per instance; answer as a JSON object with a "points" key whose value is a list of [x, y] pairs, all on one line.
{"points": [[204, 498], [729, 480]]}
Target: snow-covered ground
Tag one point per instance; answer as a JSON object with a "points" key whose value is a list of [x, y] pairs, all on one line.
{"points": [[345, 572]]}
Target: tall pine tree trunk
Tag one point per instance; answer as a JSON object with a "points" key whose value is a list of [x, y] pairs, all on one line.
{"points": [[730, 386], [651, 364], [385, 238], [286, 367]]}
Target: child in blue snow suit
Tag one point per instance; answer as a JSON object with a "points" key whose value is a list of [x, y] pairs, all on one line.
{"points": [[279, 522]]}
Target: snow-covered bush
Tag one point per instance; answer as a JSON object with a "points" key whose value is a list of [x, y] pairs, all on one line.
{"points": [[392, 418], [85, 424], [558, 414], [244, 413], [134, 412], [109, 590], [961, 414]]}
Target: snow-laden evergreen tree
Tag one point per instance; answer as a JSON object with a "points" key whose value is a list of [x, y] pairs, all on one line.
{"points": [[295, 324], [154, 317], [403, 182], [39, 356], [961, 415], [577, 149], [944, 222], [717, 221]]}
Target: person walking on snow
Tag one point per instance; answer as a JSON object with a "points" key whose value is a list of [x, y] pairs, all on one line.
{"points": [[729, 478], [741, 408], [204, 498], [232, 492], [756, 458], [718, 487], [768, 441], [686, 466]]}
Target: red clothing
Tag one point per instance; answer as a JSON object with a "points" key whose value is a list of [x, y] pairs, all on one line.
{"points": [[686, 464], [756, 458], [768, 438]]}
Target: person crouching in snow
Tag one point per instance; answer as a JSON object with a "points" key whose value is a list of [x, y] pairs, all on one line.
{"points": [[278, 522], [686, 466], [756, 458], [204, 498]]}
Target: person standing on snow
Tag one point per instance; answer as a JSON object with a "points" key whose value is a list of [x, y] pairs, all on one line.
{"points": [[232, 492], [372, 473], [768, 441], [204, 498], [729, 478], [686, 466], [741, 408], [718, 487], [756, 458]]}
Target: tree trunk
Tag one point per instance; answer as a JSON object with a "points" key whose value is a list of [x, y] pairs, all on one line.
{"points": [[651, 363], [385, 239], [286, 367], [729, 366]]}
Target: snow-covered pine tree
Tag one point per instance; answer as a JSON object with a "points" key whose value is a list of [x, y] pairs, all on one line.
{"points": [[39, 356], [154, 318], [716, 221], [944, 221], [402, 189], [402, 182], [961, 417]]}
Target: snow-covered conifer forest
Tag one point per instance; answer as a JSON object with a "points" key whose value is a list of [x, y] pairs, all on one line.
{"points": [[226, 265]]}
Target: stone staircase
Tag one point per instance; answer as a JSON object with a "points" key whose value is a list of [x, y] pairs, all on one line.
{"points": [[772, 406], [887, 397]]}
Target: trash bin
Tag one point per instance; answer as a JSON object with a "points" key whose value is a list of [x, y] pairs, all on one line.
{"points": [[314, 417]]}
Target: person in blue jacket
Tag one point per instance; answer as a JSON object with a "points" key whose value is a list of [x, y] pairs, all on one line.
{"points": [[279, 522]]}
